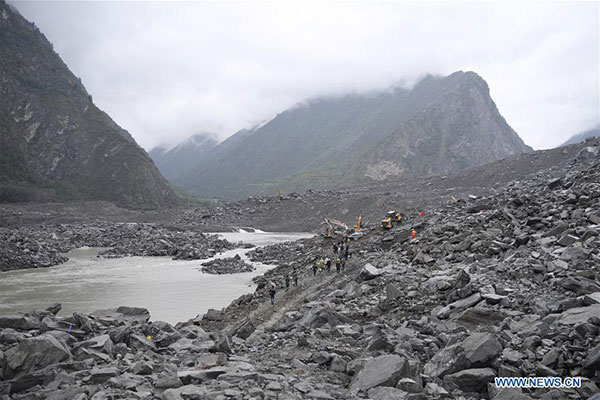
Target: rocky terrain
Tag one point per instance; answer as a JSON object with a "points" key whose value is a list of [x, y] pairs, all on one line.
{"points": [[498, 285], [233, 265]]}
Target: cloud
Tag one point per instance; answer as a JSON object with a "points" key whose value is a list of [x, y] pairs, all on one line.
{"points": [[167, 70]]}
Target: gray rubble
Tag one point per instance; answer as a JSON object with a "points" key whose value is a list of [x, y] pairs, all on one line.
{"points": [[494, 286]]}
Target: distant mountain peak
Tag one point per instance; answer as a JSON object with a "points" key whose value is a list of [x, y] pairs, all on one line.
{"points": [[442, 124]]}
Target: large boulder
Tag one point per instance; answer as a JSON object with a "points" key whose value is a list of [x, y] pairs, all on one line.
{"points": [[243, 329], [33, 354], [459, 306], [579, 315], [580, 285], [481, 348], [380, 371], [450, 359], [593, 359], [19, 322], [471, 380], [367, 273]]}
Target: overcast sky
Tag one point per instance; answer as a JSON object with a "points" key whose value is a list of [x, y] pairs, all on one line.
{"points": [[167, 70]]}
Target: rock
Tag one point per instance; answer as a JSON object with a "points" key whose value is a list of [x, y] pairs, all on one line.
{"points": [[33, 354], [592, 298], [387, 393], [471, 380], [450, 359], [458, 306], [567, 240], [134, 314], [19, 322], [368, 272], [185, 392], [580, 285], [392, 292], [380, 371], [234, 265], [510, 394], [434, 390], [579, 315], [243, 329], [592, 361], [338, 363], [100, 375], [481, 349], [223, 344], [213, 315], [409, 385], [352, 290], [101, 343], [555, 183], [142, 368]]}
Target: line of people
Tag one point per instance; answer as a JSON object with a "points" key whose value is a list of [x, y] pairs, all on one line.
{"points": [[341, 253]]}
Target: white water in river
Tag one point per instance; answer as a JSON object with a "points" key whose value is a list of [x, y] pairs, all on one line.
{"points": [[172, 290]]}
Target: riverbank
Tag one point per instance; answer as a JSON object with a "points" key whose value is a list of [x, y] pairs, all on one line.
{"points": [[172, 290], [500, 285]]}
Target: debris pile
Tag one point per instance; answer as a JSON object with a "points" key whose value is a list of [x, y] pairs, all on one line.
{"points": [[233, 265]]}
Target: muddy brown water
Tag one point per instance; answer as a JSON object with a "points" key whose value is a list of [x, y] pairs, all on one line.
{"points": [[172, 290]]}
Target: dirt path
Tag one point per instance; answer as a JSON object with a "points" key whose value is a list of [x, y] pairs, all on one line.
{"points": [[267, 315]]}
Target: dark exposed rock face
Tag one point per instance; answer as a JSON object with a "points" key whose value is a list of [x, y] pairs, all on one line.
{"points": [[56, 144], [444, 124]]}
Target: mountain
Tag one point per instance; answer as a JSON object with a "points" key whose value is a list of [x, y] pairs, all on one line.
{"points": [[175, 162], [443, 124], [581, 136], [56, 144]]}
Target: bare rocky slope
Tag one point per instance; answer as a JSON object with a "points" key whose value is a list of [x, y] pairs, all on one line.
{"points": [[502, 284], [442, 125], [56, 144]]}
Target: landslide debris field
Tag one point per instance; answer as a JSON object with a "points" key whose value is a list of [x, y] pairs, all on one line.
{"points": [[504, 284], [304, 212]]}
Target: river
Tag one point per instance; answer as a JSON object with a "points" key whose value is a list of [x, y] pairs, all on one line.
{"points": [[172, 290]]}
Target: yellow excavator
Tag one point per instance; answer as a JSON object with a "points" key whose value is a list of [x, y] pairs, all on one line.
{"points": [[358, 226], [390, 218]]}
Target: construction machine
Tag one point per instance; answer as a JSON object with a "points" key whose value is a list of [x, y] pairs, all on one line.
{"points": [[358, 226], [390, 218], [334, 227]]}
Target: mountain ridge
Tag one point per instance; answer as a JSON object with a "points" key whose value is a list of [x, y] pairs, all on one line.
{"points": [[333, 141], [57, 144]]}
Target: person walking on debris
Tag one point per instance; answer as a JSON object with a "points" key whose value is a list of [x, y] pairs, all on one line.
{"points": [[328, 264], [295, 277], [413, 235], [337, 265], [314, 268], [320, 264], [335, 249], [346, 251], [272, 293], [343, 263], [287, 281]]}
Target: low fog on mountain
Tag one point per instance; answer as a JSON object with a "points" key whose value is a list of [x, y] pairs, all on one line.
{"points": [[299, 200], [165, 71]]}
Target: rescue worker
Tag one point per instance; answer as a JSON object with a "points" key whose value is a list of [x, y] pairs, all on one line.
{"points": [[272, 293]]}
